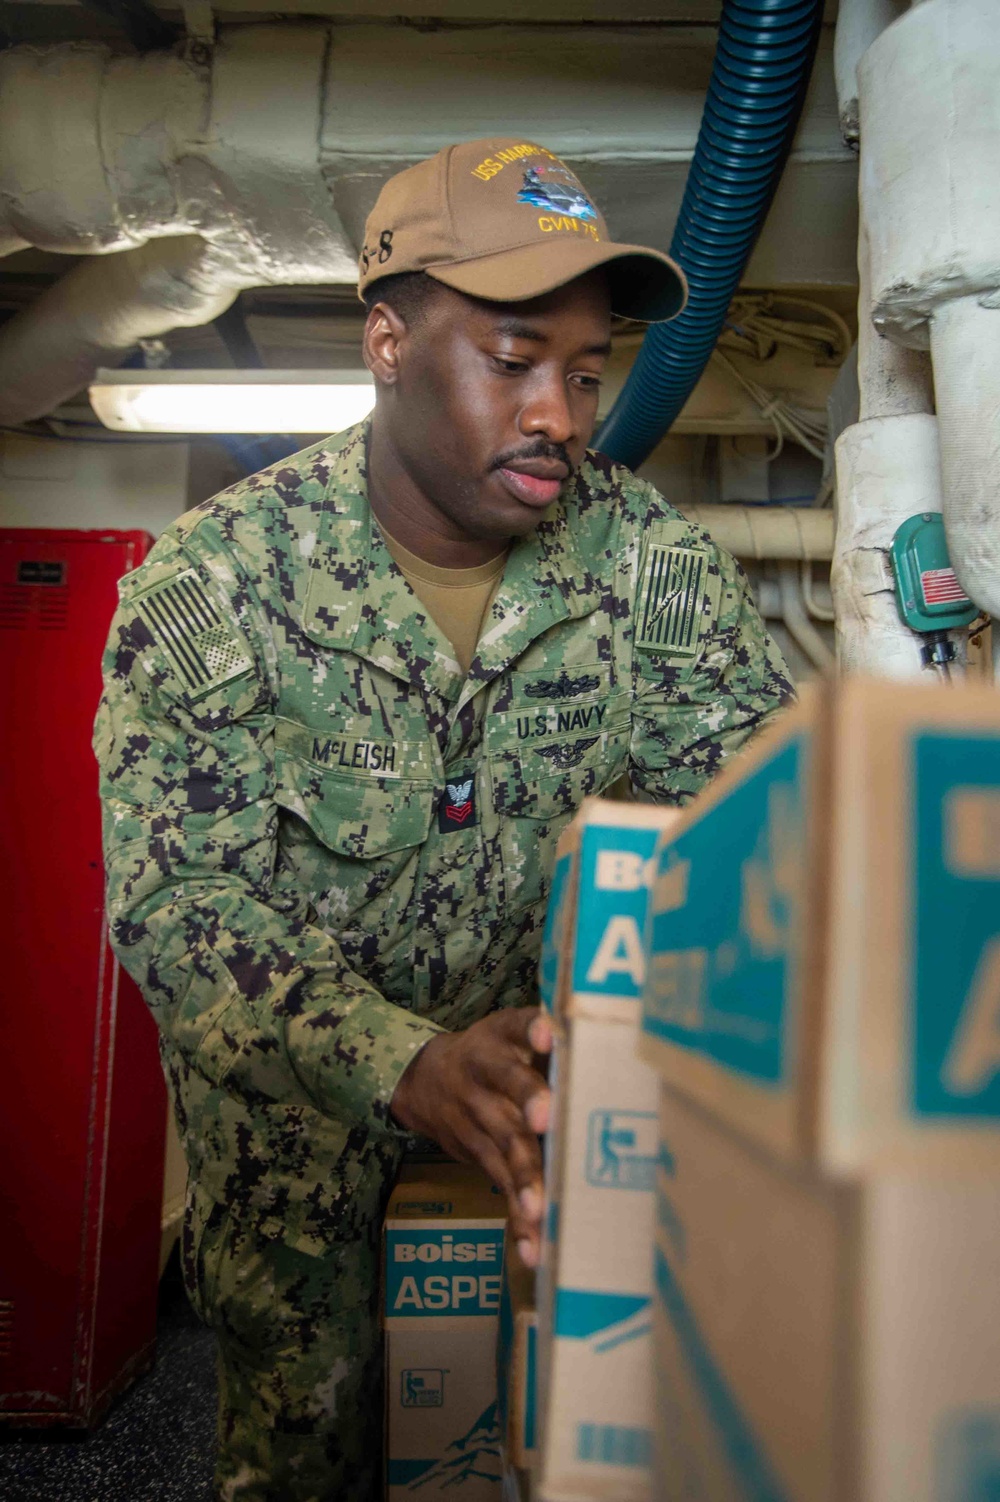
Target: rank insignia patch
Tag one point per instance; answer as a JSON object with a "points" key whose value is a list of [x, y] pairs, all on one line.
{"points": [[457, 809], [671, 597], [201, 648]]}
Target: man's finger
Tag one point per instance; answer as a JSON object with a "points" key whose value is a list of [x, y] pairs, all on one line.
{"points": [[499, 1119], [505, 1124], [510, 1077], [540, 1033], [517, 1025]]}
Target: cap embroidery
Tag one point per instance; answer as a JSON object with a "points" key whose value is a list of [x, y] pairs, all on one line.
{"points": [[491, 165], [556, 188]]}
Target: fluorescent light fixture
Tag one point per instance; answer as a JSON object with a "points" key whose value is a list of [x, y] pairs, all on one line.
{"points": [[231, 401]]}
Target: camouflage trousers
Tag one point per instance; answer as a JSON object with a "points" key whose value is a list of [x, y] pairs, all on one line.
{"points": [[299, 1358]]}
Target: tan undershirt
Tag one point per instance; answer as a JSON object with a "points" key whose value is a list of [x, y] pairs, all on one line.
{"points": [[456, 599]]}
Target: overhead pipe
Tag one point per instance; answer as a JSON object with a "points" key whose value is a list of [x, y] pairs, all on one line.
{"points": [[762, 67], [175, 176], [265, 146], [100, 310], [798, 533]]}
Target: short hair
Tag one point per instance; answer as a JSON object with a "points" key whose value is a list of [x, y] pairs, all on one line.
{"points": [[407, 293]]}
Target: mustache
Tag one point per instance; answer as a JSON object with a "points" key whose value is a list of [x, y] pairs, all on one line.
{"points": [[540, 449]]}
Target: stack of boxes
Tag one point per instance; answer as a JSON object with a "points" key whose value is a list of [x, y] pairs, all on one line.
{"points": [[823, 1007], [595, 1288], [771, 1260]]}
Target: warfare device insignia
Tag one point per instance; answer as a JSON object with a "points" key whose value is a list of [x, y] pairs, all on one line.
{"points": [[562, 687], [566, 754]]}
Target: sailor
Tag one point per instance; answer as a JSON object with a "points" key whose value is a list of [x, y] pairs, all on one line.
{"points": [[350, 704]]}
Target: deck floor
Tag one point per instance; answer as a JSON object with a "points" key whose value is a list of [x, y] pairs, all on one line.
{"points": [[157, 1443]]}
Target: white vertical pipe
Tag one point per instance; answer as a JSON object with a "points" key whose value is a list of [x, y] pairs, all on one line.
{"points": [[887, 470], [859, 22], [965, 344]]}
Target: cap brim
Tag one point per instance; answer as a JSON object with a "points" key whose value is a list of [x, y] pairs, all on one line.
{"points": [[645, 284]]}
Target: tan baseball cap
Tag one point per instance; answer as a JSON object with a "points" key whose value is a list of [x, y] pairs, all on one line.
{"points": [[506, 220]]}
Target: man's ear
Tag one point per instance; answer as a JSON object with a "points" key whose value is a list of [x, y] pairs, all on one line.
{"points": [[385, 333]]}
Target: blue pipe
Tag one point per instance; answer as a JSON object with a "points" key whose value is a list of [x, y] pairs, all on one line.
{"points": [[759, 78]]}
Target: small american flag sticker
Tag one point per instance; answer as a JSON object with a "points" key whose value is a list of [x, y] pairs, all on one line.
{"points": [[202, 649], [940, 586], [671, 595]]}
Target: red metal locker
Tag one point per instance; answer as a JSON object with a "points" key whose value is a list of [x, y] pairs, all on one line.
{"points": [[82, 1101]]}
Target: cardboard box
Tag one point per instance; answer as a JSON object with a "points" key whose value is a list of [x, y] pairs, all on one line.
{"points": [[594, 1286], [818, 1341], [442, 1262], [517, 1363], [825, 934]]}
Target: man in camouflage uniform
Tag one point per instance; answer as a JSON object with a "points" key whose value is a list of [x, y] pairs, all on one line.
{"points": [[328, 845]]}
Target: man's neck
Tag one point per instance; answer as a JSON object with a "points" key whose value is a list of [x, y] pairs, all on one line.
{"points": [[404, 511]]}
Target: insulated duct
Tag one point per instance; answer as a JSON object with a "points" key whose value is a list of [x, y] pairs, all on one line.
{"points": [[859, 22], [186, 182], [929, 92], [271, 146], [799, 533], [103, 307], [887, 471], [762, 67]]}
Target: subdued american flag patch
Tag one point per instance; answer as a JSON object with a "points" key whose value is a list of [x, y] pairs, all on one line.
{"points": [[201, 647], [671, 599]]}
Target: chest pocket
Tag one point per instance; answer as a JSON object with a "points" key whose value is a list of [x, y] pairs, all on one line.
{"points": [[544, 760], [361, 798]]}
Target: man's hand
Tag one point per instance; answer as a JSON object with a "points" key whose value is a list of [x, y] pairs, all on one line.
{"points": [[478, 1094]]}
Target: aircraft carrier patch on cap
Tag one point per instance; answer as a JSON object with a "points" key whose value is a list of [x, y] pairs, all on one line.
{"points": [[671, 599]]}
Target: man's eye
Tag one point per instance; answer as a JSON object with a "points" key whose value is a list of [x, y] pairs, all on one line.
{"points": [[587, 382], [510, 367]]}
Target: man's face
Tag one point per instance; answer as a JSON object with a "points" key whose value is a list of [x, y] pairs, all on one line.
{"points": [[490, 406]]}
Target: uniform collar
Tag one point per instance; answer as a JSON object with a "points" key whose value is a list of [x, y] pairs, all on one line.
{"points": [[358, 601]]}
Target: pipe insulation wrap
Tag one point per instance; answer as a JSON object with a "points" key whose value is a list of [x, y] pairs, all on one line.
{"points": [[758, 85], [101, 153], [785, 532], [188, 182], [965, 350], [99, 310], [929, 95], [859, 22], [893, 461]]}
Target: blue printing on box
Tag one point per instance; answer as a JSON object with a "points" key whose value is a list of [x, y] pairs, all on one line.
{"points": [[622, 1149], [955, 948], [444, 1273], [611, 892], [583, 1313], [720, 960], [623, 1445]]}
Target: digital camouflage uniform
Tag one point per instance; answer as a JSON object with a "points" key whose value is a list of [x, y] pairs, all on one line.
{"points": [[306, 888]]}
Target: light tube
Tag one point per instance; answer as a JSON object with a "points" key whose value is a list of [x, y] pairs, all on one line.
{"points": [[231, 401]]}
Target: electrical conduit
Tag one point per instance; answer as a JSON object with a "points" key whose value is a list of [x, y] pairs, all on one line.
{"points": [[755, 95]]}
